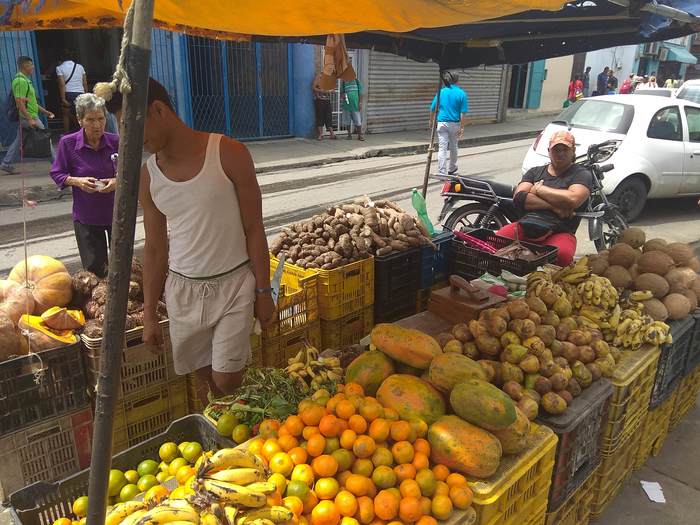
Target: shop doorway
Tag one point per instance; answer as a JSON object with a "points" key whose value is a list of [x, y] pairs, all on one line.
{"points": [[518, 86]]}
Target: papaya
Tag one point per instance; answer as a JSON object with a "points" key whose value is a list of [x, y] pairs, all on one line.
{"points": [[369, 369], [482, 404], [411, 397], [464, 447], [513, 438], [405, 345], [448, 369]]}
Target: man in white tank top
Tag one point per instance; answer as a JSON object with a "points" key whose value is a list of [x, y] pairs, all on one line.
{"points": [[205, 244]]}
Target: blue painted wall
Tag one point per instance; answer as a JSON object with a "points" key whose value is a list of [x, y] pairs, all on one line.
{"points": [[303, 76]]}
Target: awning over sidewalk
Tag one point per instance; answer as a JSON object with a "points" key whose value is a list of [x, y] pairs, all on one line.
{"points": [[678, 53]]}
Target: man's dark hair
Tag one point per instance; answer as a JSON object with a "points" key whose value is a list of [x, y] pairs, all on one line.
{"points": [[450, 78], [156, 93], [23, 60], [588, 68], [66, 54]]}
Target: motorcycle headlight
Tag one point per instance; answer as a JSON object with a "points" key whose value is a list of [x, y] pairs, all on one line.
{"points": [[605, 153]]}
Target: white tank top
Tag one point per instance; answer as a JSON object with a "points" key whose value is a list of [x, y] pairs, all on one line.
{"points": [[206, 233]]}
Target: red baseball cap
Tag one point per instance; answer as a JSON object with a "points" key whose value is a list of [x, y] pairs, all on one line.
{"points": [[562, 137]]}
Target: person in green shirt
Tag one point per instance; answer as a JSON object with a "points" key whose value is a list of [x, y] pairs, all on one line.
{"points": [[351, 96], [28, 109]]}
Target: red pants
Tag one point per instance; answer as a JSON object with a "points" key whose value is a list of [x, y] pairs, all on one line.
{"points": [[566, 242]]}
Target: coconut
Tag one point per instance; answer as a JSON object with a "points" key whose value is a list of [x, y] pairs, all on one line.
{"points": [[677, 305], [654, 244], [635, 237], [652, 282], [694, 264], [598, 264], [692, 299], [678, 280], [618, 276], [654, 262], [622, 254], [695, 286], [655, 309], [634, 271], [680, 253]]}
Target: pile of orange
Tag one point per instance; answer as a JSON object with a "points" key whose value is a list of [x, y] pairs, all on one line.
{"points": [[347, 460]]}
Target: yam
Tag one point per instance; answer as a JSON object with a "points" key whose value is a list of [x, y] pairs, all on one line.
{"points": [[622, 254], [656, 262], [677, 305], [652, 282], [635, 237], [655, 309]]}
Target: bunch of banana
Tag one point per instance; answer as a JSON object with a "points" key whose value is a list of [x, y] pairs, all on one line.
{"points": [[598, 291], [265, 516], [170, 512], [641, 296], [574, 273], [657, 333], [598, 316], [312, 370], [121, 511], [226, 459]]}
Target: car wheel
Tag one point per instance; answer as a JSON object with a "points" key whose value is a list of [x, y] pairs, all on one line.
{"points": [[630, 197]]}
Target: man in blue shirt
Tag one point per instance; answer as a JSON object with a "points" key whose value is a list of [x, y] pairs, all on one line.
{"points": [[454, 105], [602, 84]]}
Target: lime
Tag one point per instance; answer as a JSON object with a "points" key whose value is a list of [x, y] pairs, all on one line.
{"points": [[80, 506], [182, 446], [128, 492], [131, 476], [168, 451], [116, 481], [299, 489], [226, 423], [146, 482], [332, 444], [241, 433], [147, 466], [163, 466], [175, 465], [193, 451], [162, 476]]}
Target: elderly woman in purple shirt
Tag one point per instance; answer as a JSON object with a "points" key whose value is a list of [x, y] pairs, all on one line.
{"points": [[83, 161]]}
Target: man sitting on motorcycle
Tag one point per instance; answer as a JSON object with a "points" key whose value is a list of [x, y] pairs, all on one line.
{"points": [[548, 197]]}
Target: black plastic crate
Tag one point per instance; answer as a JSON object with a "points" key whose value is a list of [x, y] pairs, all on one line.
{"points": [[402, 304], [27, 398], [470, 263], [578, 450], [433, 263], [42, 503], [693, 359], [397, 273], [673, 360]]}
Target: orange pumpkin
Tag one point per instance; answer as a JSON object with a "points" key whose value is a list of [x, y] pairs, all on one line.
{"points": [[47, 279]]}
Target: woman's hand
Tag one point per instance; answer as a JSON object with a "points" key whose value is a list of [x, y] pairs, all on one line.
{"points": [[110, 186], [86, 184]]}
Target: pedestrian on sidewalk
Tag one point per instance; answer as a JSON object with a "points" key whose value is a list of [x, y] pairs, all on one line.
{"points": [[322, 107], [575, 89], [28, 110], [627, 87], [72, 81], [612, 82], [652, 83], [602, 82], [205, 244], [454, 105], [84, 162], [587, 82], [351, 95]]}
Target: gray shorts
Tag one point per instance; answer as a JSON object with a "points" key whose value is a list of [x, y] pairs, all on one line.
{"points": [[353, 117], [211, 320]]}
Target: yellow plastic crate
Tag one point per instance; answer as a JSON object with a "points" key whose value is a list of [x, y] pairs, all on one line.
{"points": [[633, 382], [341, 291], [517, 493], [577, 509], [686, 398], [348, 330], [654, 430], [146, 414], [297, 304], [612, 473], [276, 352]]}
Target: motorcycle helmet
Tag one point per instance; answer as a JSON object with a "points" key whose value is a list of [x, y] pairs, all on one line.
{"points": [[449, 77]]}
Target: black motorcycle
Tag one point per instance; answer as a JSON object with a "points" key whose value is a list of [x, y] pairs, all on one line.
{"points": [[492, 204]]}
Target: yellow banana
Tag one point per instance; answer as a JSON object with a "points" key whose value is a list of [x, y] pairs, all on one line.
{"points": [[161, 514], [262, 486], [208, 518], [295, 367], [121, 510], [230, 458], [236, 494], [240, 476], [277, 514], [134, 517], [641, 296], [230, 514]]}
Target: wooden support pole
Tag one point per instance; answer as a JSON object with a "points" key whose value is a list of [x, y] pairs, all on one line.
{"points": [[433, 130], [136, 64]]}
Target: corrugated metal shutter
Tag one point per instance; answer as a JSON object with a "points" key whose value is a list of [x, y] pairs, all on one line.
{"points": [[399, 92]]}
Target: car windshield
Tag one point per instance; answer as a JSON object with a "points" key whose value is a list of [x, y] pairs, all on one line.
{"points": [[691, 93], [600, 115]]}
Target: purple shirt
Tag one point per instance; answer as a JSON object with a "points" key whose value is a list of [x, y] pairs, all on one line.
{"points": [[76, 158]]}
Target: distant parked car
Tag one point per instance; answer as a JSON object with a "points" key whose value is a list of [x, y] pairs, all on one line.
{"points": [[658, 154], [690, 90], [657, 92]]}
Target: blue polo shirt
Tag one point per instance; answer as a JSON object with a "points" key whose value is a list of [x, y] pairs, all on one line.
{"points": [[453, 101]]}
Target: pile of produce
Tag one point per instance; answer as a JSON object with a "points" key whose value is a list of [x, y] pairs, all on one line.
{"points": [[32, 308], [312, 370], [90, 295], [348, 233], [661, 276]]}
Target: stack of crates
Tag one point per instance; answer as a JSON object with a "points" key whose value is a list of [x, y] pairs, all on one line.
{"points": [[297, 318], [576, 510], [690, 384], [433, 268], [397, 279], [151, 395], [654, 430], [45, 418]]}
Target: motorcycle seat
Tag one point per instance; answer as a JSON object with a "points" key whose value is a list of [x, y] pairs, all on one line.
{"points": [[501, 189]]}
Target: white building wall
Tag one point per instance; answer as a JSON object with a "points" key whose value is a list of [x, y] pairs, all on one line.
{"points": [[555, 87], [620, 58]]}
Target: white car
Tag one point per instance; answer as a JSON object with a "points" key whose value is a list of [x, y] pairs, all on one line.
{"points": [[690, 90], [658, 153]]}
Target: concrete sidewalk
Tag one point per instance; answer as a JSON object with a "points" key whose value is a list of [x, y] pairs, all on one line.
{"points": [[274, 155]]}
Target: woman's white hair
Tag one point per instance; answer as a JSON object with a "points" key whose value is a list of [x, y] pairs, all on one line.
{"points": [[89, 102]]}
